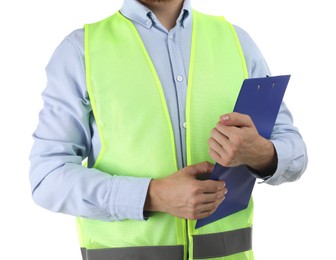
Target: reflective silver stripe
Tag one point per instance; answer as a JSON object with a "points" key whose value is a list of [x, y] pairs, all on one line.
{"points": [[222, 244], [83, 251], [134, 253]]}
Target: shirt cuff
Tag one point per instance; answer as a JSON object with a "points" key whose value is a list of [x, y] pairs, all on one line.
{"points": [[257, 175], [284, 157], [128, 196]]}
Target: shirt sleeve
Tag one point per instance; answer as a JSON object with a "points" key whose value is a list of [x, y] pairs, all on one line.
{"points": [[289, 145], [63, 139]]}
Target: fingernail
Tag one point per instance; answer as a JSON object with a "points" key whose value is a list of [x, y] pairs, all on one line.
{"points": [[225, 118]]}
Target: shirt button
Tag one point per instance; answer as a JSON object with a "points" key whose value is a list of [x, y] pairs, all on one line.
{"points": [[171, 36], [148, 23], [179, 78], [185, 125]]}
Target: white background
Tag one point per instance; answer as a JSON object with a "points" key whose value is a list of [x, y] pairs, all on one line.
{"points": [[292, 221]]}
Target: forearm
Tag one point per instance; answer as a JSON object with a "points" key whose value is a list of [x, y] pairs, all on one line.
{"points": [[292, 160], [235, 141], [291, 154], [290, 148], [75, 190], [64, 136]]}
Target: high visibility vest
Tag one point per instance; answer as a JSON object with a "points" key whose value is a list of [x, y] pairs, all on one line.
{"points": [[138, 140]]}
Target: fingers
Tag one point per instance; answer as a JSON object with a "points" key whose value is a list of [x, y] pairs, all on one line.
{"points": [[211, 186], [207, 205], [231, 138], [208, 209], [216, 156], [236, 119], [212, 197], [206, 202], [221, 134], [218, 141], [221, 149], [183, 195], [230, 125]]}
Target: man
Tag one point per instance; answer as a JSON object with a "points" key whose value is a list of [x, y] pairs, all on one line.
{"points": [[146, 96]]}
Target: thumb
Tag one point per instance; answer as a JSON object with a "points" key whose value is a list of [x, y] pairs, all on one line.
{"points": [[236, 119], [199, 168]]}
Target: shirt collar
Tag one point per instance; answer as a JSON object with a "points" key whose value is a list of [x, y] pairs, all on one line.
{"points": [[136, 12]]}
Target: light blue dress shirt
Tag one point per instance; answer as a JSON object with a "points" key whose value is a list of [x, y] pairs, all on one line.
{"points": [[67, 133]]}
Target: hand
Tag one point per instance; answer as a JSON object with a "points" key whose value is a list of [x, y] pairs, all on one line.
{"points": [[235, 141], [182, 195]]}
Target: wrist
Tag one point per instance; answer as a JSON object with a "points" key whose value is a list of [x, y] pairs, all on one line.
{"points": [[266, 160], [152, 202]]}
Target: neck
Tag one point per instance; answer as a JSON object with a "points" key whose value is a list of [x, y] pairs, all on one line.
{"points": [[167, 11]]}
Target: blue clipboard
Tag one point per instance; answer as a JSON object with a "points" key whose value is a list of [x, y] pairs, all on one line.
{"points": [[261, 99]]}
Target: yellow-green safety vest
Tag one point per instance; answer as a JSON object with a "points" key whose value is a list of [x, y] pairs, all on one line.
{"points": [[137, 137]]}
